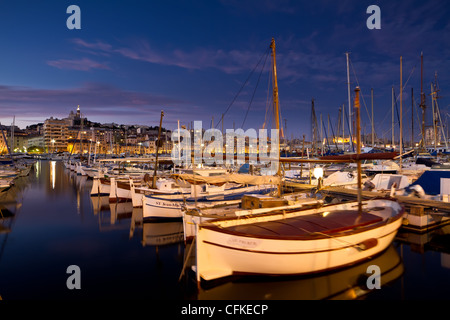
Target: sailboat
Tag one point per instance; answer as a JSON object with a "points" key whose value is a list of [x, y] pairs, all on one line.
{"points": [[292, 241]]}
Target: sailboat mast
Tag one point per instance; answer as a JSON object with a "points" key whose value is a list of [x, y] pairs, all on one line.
{"points": [[157, 151], [338, 127], [321, 135], [343, 128], [358, 146], [276, 105], [275, 98], [412, 118], [313, 127], [393, 137], [348, 90], [422, 101], [438, 112], [373, 131], [401, 111], [12, 133], [434, 118]]}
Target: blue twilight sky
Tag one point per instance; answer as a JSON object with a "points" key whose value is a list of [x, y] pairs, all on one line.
{"points": [[132, 59]]}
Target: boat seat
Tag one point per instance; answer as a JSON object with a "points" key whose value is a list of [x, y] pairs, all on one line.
{"points": [[307, 226]]}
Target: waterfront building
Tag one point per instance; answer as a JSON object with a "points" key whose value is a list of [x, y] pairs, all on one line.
{"points": [[35, 143], [55, 135]]}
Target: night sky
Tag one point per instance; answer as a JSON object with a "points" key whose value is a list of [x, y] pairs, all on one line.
{"points": [[132, 59]]}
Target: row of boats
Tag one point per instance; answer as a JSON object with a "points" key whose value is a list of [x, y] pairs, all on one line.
{"points": [[243, 224], [10, 169]]}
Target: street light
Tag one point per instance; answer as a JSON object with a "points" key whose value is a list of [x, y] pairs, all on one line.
{"points": [[53, 145], [318, 174]]}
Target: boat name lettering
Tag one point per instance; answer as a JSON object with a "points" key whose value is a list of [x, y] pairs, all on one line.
{"points": [[166, 204], [244, 243]]}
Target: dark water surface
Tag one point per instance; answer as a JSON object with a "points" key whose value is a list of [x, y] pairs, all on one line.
{"points": [[50, 222]]}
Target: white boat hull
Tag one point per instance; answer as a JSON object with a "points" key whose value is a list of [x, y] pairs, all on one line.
{"points": [[99, 188], [170, 206], [160, 208], [221, 254], [118, 194]]}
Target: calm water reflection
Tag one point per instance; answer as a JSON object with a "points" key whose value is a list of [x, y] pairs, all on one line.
{"points": [[49, 222]]}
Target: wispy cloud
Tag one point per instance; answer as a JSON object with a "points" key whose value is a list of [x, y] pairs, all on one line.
{"points": [[232, 61], [97, 99], [293, 64], [84, 64]]}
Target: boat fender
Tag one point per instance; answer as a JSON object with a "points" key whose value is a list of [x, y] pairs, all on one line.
{"points": [[394, 185], [417, 191], [367, 244]]}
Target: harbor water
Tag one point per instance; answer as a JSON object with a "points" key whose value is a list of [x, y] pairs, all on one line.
{"points": [[50, 222]]}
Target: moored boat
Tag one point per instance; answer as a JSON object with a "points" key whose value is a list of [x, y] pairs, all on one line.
{"points": [[293, 242], [169, 206], [250, 204]]}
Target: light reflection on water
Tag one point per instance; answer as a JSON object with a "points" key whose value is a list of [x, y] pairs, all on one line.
{"points": [[54, 223]]}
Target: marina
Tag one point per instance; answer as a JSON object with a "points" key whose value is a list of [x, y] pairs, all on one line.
{"points": [[51, 221], [312, 188]]}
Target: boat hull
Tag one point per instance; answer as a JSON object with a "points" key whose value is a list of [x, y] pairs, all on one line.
{"points": [[155, 206], [100, 187], [221, 254]]}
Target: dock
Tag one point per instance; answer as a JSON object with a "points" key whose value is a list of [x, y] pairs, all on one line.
{"points": [[421, 215]]}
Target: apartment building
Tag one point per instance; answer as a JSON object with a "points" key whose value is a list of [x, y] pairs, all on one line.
{"points": [[55, 135]]}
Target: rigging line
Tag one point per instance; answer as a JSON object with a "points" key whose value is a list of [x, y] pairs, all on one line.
{"points": [[254, 91], [362, 96], [364, 101], [398, 118], [326, 135], [334, 136], [396, 99], [245, 83], [417, 114], [269, 96], [350, 134]]}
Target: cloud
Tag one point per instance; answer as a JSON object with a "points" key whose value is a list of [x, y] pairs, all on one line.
{"points": [[98, 45], [84, 64], [95, 98], [233, 61], [293, 64]]}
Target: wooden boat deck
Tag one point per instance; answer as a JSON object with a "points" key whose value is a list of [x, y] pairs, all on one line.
{"points": [[306, 226]]}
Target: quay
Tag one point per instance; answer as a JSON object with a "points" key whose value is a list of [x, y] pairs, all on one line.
{"points": [[422, 215]]}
